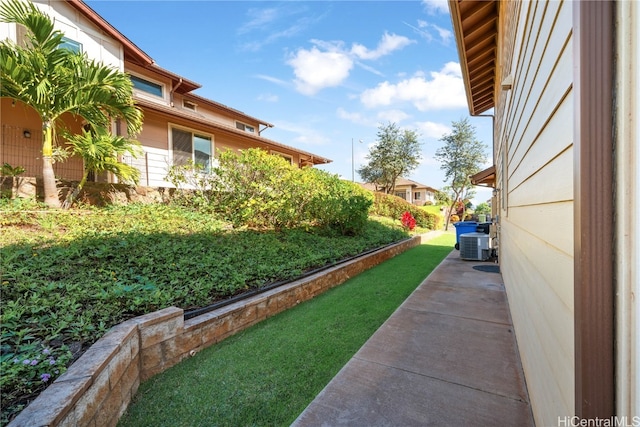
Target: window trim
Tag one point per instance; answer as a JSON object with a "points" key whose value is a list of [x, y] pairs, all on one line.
{"points": [[68, 42], [142, 92], [193, 132], [245, 126], [189, 105]]}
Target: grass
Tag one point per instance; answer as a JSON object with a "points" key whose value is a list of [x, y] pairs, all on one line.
{"points": [[433, 209], [269, 373]]}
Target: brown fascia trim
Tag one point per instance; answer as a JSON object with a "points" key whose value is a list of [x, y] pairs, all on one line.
{"points": [[226, 108], [171, 112], [593, 35]]}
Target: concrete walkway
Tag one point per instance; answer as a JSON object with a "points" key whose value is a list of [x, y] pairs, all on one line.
{"points": [[447, 356]]}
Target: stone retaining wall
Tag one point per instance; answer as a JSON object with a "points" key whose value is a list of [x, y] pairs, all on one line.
{"points": [[96, 390]]}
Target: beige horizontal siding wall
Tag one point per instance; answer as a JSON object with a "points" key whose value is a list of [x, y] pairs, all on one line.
{"points": [[535, 172]]}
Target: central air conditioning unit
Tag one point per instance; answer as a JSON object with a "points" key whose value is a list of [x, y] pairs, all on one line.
{"points": [[475, 246]]}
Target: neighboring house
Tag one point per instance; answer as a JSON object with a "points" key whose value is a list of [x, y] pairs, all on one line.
{"points": [[411, 191], [178, 124], [562, 80]]}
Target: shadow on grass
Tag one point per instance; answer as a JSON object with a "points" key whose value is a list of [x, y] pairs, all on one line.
{"points": [[268, 374]]}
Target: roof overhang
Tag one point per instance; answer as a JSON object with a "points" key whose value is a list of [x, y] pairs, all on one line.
{"points": [[486, 178], [475, 24], [209, 125]]}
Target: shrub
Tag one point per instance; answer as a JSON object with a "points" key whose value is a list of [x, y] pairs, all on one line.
{"points": [[337, 204], [408, 221], [256, 189], [393, 207], [194, 183], [252, 189]]}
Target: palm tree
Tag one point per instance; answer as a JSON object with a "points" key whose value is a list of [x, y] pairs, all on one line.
{"points": [[100, 151], [56, 81]]}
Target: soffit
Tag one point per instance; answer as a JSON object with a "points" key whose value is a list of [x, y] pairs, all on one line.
{"points": [[475, 25], [486, 177]]}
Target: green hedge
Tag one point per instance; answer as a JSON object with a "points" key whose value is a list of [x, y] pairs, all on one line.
{"points": [[391, 206], [258, 190]]}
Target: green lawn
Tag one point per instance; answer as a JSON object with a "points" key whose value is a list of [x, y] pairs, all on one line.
{"points": [[268, 374]]}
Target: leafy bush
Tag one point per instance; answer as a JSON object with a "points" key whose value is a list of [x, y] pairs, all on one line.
{"points": [[255, 189], [340, 205], [408, 221], [394, 207], [194, 184]]}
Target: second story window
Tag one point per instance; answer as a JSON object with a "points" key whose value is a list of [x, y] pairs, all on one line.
{"points": [[189, 105], [244, 127], [71, 45], [147, 86]]}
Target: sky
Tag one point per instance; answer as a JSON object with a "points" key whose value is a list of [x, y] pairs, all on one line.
{"points": [[326, 74]]}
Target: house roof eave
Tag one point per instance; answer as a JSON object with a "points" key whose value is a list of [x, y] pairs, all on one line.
{"points": [[486, 178], [475, 25], [206, 123]]}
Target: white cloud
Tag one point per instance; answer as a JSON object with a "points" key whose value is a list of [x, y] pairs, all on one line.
{"points": [[436, 6], [445, 35], [268, 97], [304, 135], [394, 116], [356, 118], [425, 29], [444, 90], [328, 63], [316, 70], [388, 44], [277, 81], [433, 130]]}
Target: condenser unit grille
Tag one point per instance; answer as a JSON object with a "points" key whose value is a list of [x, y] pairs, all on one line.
{"points": [[474, 246]]}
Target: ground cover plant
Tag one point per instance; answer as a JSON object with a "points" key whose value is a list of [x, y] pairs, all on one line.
{"points": [[267, 374], [68, 276]]}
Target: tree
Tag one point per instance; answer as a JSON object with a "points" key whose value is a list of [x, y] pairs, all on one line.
{"points": [[396, 153], [482, 208], [100, 151], [55, 81], [461, 156]]}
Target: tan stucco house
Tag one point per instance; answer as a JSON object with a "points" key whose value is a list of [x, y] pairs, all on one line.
{"points": [[561, 81], [178, 124], [411, 191]]}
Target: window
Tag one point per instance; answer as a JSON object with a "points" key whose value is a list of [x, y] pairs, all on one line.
{"points": [[287, 157], [402, 195], [244, 127], [188, 146], [146, 86], [71, 45], [417, 195], [189, 105]]}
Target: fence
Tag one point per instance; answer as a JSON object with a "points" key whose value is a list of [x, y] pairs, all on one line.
{"points": [[19, 147]]}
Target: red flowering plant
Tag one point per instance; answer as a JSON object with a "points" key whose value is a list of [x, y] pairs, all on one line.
{"points": [[408, 221]]}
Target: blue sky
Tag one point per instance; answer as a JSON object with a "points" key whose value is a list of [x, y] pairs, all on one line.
{"points": [[323, 72]]}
